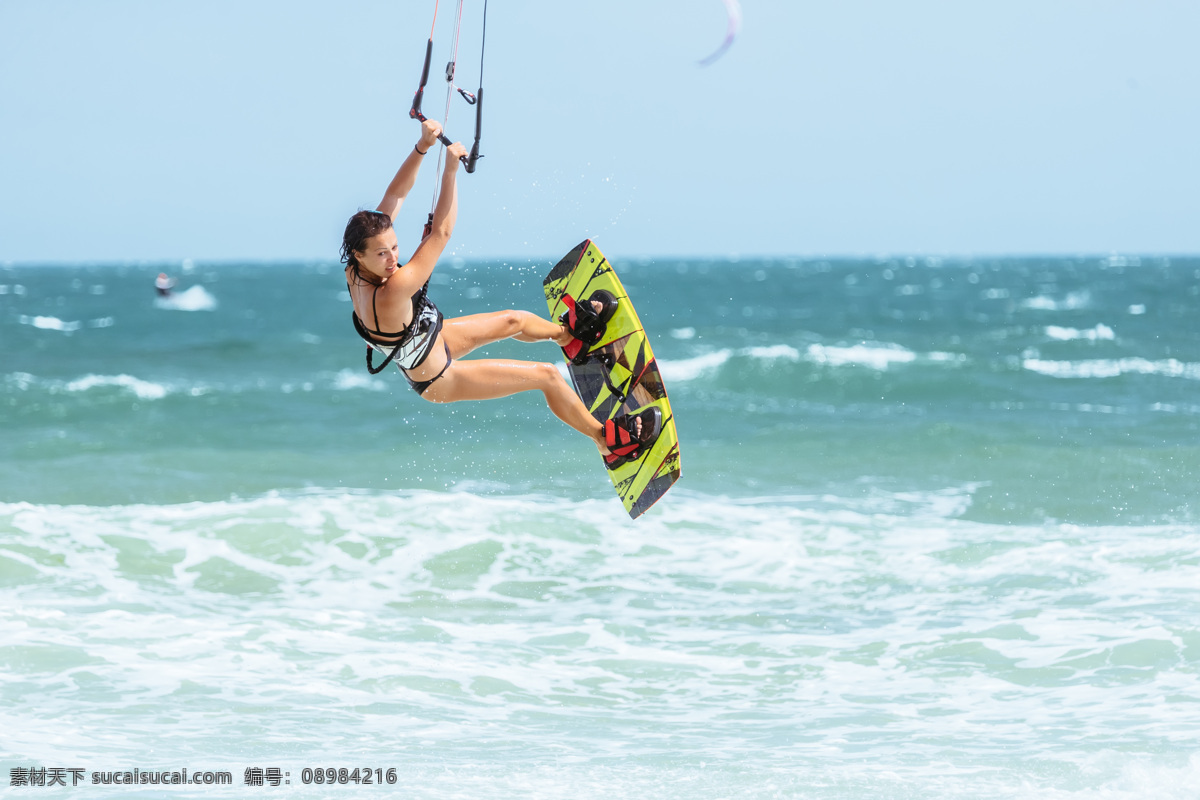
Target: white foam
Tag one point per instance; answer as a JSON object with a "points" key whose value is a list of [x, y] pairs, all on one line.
{"points": [[879, 357], [1113, 367], [482, 628], [683, 333], [50, 323], [194, 298], [21, 380], [1099, 333], [692, 368], [773, 353], [145, 390], [1072, 302], [873, 356], [348, 379]]}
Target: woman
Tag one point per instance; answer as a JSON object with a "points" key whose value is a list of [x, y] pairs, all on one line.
{"points": [[393, 313]]}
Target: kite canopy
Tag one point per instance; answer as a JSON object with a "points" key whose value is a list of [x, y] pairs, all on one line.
{"points": [[735, 23]]}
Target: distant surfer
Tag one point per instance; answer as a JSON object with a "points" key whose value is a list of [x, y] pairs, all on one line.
{"points": [[163, 285], [394, 315]]}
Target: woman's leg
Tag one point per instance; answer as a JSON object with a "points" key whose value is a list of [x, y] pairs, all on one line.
{"points": [[486, 379], [464, 334]]}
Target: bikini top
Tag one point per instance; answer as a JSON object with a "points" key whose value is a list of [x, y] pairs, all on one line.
{"points": [[409, 346]]}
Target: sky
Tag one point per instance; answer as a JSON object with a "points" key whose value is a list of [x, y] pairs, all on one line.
{"points": [[133, 130]]}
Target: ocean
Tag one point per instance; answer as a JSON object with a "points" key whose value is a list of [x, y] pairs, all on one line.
{"points": [[937, 536]]}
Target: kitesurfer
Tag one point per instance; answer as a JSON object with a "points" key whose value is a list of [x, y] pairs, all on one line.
{"points": [[393, 313], [163, 285]]}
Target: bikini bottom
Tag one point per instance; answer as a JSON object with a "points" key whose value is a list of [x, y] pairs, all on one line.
{"points": [[420, 386]]}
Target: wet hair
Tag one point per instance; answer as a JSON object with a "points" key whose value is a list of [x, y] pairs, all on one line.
{"points": [[362, 226]]}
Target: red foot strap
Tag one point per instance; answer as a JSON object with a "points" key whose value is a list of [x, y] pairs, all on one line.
{"points": [[573, 348], [571, 318], [619, 441]]}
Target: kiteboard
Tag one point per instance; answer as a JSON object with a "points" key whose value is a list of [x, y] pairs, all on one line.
{"points": [[618, 374]]}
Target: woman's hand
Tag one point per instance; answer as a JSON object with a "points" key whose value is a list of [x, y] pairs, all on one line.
{"points": [[454, 152], [430, 131]]}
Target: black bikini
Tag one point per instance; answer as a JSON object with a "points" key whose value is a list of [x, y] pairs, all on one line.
{"points": [[415, 341]]}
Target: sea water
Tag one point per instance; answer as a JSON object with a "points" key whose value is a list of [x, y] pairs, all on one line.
{"points": [[937, 535]]}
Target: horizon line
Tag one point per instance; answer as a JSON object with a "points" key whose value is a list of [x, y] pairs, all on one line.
{"points": [[733, 258]]}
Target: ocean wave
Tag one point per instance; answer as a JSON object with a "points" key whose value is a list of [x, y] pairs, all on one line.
{"points": [[1113, 368], [775, 352], [1072, 302], [879, 357], [1176, 408], [20, 380], [56, 324], [50, 323], [691, 368], [142, 389], [145, 390], [349, 379], [194, 298], [1099, 333], [483, 627], [345, 380]]}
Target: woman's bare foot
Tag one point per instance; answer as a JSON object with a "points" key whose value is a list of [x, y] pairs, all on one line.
{"points": [[603, 447]]}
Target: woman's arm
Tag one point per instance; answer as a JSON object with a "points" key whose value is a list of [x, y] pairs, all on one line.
{"points": [[406, 176], [420, 266]]}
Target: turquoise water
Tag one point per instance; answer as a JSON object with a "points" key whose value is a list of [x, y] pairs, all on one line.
{"points": [[936, 536]]}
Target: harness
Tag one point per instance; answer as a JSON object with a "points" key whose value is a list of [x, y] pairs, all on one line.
{"points": [[415, 341]]}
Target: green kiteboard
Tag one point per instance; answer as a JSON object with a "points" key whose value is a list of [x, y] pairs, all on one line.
{"points": [[619, 375]]}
